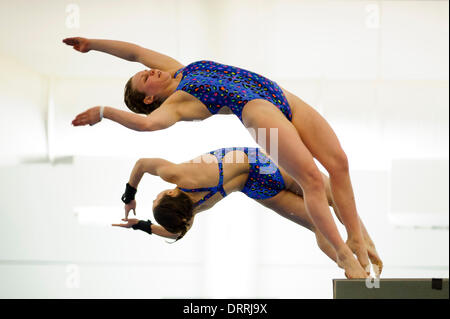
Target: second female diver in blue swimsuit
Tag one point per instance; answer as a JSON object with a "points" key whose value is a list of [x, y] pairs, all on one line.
{"points": [[207, 179]]}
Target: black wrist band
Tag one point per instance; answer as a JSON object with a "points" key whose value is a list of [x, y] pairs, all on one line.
{"points": [[144, 226], [128, 196]]}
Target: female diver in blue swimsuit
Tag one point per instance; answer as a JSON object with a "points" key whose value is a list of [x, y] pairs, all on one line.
{"points": [[170, 92], [209, 178]]}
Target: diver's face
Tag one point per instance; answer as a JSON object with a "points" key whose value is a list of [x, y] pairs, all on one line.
{"points": [[150, 82]]}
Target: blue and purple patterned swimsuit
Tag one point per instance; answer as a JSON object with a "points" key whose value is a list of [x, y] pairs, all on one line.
{"points": [[217, 85], [264, 177]]}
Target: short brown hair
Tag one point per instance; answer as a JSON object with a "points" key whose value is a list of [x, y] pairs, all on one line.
{"points": [[135, 100], [173, 213]]}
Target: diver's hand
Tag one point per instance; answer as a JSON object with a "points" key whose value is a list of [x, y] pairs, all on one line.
{"points": [[90, 116], [129, 222], [80, 44], [130, 206]]}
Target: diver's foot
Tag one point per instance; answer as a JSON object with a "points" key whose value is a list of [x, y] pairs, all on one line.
{"points": [[375, 259], [347, 261], [359, 248]]}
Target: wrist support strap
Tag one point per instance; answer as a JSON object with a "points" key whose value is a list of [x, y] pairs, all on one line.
{"points": [[144, 226], [128, 196]]}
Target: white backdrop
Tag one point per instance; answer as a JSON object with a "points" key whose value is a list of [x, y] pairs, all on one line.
{"points": [[377, 71]]}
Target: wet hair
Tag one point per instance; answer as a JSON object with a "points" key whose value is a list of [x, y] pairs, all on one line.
{"points": [[173, 213], [135, 100]]}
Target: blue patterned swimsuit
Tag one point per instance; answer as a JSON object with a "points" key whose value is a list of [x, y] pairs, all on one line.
{"points": [[217, 85], [264, 177]]}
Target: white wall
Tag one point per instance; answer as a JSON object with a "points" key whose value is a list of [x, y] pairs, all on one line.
{"points": [[23, 94], [382, 86]]}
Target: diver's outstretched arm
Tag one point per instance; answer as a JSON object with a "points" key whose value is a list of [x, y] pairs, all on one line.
{"points": [[155, 229], [163, 117], [127, 51]]}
